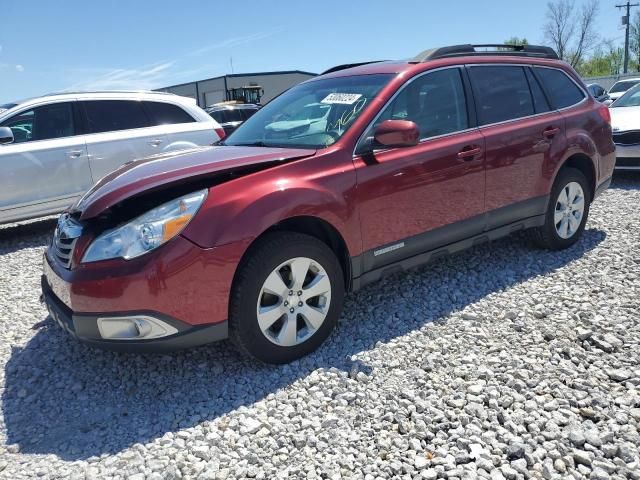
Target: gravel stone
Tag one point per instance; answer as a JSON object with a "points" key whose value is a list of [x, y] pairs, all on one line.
{"points": [[502, 362]]}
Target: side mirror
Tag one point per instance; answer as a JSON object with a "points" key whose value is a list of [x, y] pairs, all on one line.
{"points": [[397, 133], [6, 135]]}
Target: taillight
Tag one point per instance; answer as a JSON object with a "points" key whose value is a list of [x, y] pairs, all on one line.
{"points": [[605, 113], [220, 132]]}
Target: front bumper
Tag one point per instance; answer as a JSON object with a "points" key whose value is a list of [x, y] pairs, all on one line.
{"points": [[627, 157], [84, 327], [181, 285]]}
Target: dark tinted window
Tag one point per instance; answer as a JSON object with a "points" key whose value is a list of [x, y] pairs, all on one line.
{"points": [[114, 115], [539, 100], [227, 115], [562, 91], [42, 123], [435, 102], [502, 93], [166, 113], [247, 112]]}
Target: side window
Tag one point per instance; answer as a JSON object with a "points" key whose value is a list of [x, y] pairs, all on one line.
{"points": [[114, 115], [540, 103], [502, 93], [435, 102], [166, 113], [42, 123], [563, 92]]}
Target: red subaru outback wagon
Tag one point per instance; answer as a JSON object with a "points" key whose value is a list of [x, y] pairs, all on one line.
{"points": [[365, 170]]}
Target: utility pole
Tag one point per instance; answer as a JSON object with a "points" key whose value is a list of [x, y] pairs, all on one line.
{"points": [[626, 20]]}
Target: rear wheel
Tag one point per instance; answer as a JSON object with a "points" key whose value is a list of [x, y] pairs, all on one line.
{"points": [[567, 212], [286, 298]]}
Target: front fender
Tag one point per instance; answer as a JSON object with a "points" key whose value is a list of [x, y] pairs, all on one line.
{"points": [[244, 208]]}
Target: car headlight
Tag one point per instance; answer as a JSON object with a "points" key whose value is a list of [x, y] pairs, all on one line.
{"points": [[146, 232]]}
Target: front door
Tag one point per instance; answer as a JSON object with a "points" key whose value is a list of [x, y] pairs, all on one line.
{"points": [[419, 198], [46, 167]]}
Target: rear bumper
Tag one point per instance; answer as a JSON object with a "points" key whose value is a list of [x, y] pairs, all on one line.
{"points": [[627, 157], [84, 327]]}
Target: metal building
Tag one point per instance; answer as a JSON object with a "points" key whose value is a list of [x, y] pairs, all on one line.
{"points": [[217, 89]]}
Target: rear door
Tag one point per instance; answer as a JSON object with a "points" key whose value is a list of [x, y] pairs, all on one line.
{"points": [[523, 138], [119, 131], [46, 167]]}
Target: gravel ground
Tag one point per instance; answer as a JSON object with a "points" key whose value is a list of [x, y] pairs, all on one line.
{"points": [[501, 362]]}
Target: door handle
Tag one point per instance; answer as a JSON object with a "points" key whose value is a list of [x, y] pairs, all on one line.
{"points": [[155, 142], [74, 153], [550, 132], [467, 153]]}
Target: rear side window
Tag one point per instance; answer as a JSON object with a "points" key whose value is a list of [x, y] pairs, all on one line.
{"points": [[540, 103], [502, 93], [562, 91], [42, 123], [114, 115], [166, 114]]}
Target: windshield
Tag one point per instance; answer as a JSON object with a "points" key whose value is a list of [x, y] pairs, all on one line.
{"points": [[630, 99], [623, 86], [313, 114]]}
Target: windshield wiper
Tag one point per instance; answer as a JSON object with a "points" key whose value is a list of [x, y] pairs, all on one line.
{"points": [[259, 143]]}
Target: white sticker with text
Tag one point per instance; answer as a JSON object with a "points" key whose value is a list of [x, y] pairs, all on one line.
{"points": [[343, 98]]}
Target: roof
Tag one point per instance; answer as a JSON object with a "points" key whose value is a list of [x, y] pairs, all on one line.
{"points": [[236, 75]]}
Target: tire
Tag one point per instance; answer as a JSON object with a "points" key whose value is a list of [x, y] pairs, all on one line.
{"points": [[551, 235], [258, 296]]}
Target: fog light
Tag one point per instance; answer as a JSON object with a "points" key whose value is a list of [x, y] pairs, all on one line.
{"points": [[137, 327]]}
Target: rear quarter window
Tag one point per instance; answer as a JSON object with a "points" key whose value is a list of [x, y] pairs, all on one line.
{"points": [[162, 113], [562, 91]]}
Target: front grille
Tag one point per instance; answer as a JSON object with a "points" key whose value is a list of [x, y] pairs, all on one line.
{"points": [[628, 162], [626, 138], [64, 239]]}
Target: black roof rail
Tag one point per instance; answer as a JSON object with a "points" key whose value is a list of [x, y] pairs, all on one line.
{"points": [[537, 51], [337, 68]]}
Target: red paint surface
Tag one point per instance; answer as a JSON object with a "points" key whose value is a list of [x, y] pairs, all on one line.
{"points": [[405, 191]]}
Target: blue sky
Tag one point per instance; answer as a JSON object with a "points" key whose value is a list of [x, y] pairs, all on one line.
{"points": [[49, 45]]}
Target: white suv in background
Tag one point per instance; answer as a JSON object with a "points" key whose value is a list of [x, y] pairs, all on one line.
{"points": [[53, 148]]}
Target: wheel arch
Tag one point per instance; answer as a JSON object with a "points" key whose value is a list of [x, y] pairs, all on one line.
{"points": [[583, 163], [318, 228]]}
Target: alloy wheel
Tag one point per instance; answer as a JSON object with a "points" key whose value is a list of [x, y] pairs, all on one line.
{"points": [[294, 301], [569, 210]]}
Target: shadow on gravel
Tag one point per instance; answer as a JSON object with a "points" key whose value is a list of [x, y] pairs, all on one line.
{"points": [[626, 181], [32, 234], [66, 399]]}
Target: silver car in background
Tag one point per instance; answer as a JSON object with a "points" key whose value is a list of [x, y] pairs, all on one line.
{"points": [[53, 148], [625, 123]]}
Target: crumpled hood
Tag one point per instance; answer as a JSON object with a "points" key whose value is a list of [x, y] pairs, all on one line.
{"points": [[152, 173], [625, 118]]}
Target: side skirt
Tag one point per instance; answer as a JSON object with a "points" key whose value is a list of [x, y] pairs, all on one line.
{"points": [[426, 257]]}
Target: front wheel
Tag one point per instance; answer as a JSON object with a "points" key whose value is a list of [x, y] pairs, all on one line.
{"points": [[567, 212], [286, 298]]}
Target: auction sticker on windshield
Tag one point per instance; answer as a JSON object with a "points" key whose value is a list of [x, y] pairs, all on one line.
{"points": [[343, 98]]}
